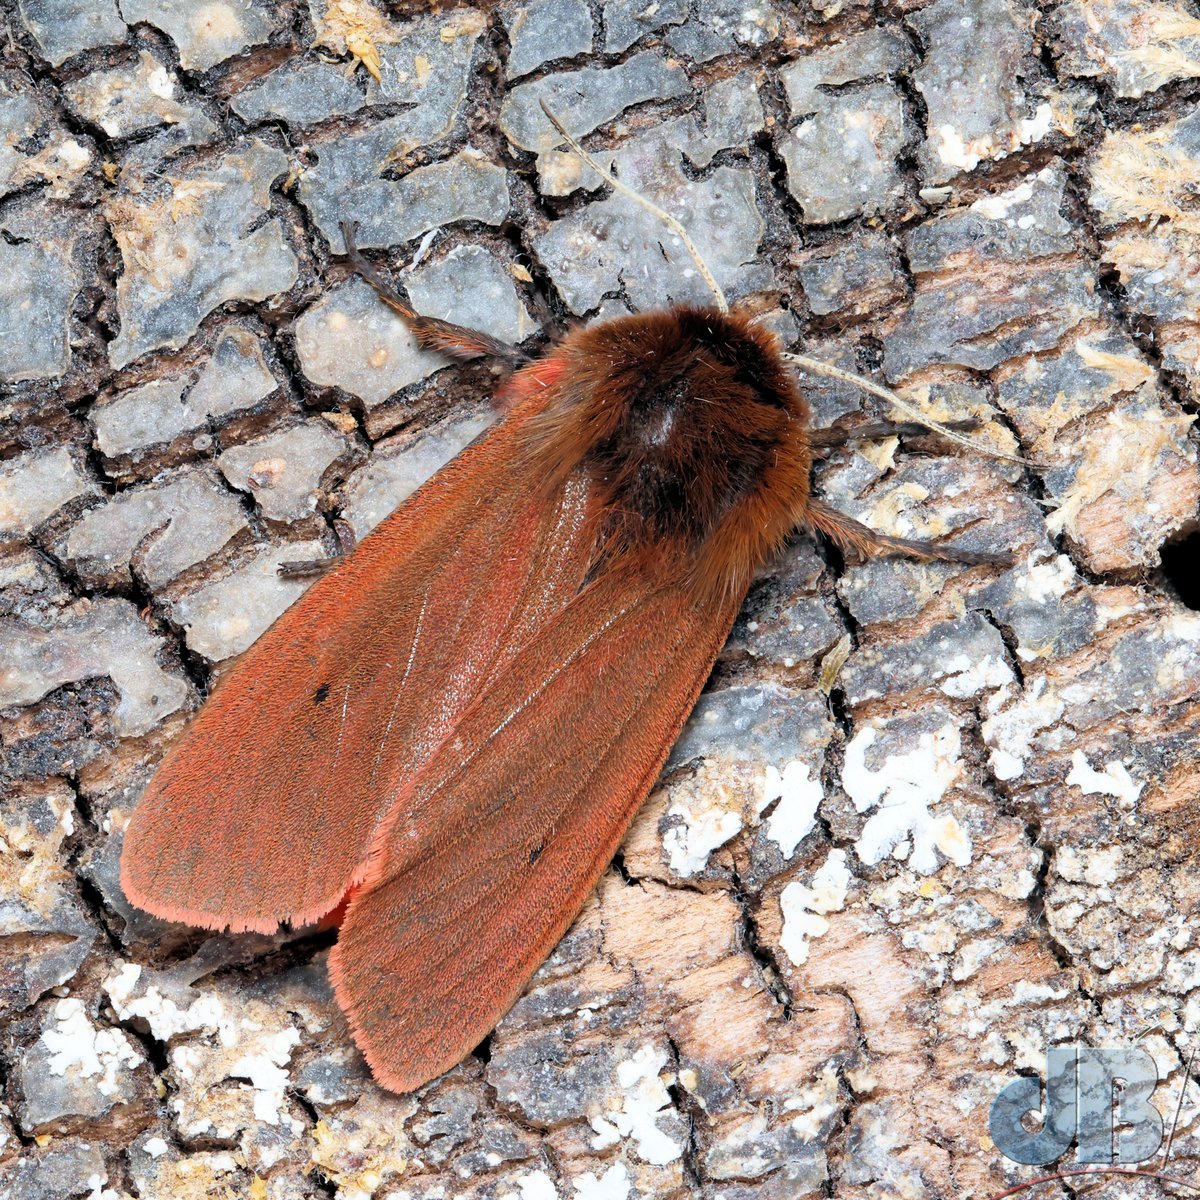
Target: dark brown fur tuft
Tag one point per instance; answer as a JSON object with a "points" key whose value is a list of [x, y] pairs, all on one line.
{"points": [[691, 434]]}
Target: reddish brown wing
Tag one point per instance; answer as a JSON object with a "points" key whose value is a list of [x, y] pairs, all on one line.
{"points": [[265, 810], [491, 850]]}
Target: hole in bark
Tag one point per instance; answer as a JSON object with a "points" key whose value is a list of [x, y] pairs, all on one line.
{"points": [[483, 1051], [1181, 566]]}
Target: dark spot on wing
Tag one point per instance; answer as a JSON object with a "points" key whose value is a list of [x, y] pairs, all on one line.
{"points": [[321, 694]]}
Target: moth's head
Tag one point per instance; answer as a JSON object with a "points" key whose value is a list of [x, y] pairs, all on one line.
{"points": [[685, 357], [682, 421], [652, 383]]}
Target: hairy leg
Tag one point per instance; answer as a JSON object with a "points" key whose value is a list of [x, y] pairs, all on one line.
{"points": [[431, 333], [821, 438], [861, 542]]}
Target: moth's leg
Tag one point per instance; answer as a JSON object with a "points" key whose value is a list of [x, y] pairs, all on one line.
{"points": [[828, 371], [860, 541], [431, 333], [881, 429], [304, 568]]}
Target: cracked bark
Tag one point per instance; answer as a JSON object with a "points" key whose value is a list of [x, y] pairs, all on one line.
{"points": [[845, 918]]}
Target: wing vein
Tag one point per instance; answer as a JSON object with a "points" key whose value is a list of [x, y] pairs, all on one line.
{"points": [[496, 895], [412, 655], [379, 846], [337, 753], [569, 661]]}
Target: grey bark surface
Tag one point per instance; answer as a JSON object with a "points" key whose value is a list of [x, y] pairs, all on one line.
{"points": [[926, 820]]}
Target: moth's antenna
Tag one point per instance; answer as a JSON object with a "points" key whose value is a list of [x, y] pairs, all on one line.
{"points": [[665, 217], [817, 367], [813, 365]]}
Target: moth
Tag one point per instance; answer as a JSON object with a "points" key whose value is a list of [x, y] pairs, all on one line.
{"points": [[450, 732]]}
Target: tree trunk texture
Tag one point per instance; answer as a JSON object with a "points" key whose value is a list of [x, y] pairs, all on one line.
{"points": [[927, 821]]}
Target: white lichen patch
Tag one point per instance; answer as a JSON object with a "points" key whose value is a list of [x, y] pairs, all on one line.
{"points": [[644, 1097], [614, 1184], [967, 155], [265, 1070], [966, 676], [98, 1189], [996, 208], [164, 1016], [1013, 722], [804, 908], [814, 1105], [799, 793], [1114, 780], [607, 1134], [723, 795], [901, 792], [81, 1049], [1098, 868], [1033, 129], [534, 1185], [953, 150], [1046, 579], [233, 1078], [707, 809]]}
